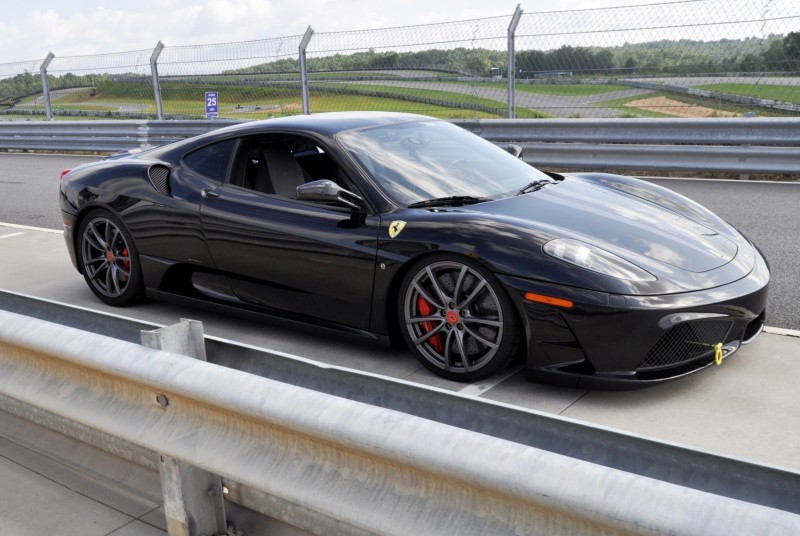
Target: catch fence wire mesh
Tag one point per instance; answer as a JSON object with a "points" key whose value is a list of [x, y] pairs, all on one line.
{"points": [[254, 79], [696, 58], [20, 84], [692, 58], [444, 69], [106, 86]]}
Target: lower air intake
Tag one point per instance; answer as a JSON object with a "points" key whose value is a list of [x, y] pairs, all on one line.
{"points": [[686, 342]]}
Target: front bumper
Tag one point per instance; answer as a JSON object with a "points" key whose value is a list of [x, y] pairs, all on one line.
{"points": [[626, 342]]}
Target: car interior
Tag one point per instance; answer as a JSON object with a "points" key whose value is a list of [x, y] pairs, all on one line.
{"points": [[278, 167]]}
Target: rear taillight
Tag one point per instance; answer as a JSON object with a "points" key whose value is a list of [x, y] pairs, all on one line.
{"points": [[63, 172]]}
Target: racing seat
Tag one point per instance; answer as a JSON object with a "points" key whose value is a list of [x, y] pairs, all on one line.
{"points": [[256, 176], [284, 171]]}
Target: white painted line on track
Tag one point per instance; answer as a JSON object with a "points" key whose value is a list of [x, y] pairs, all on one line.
{"points": [[10, 235], [701, 179], [782, 331], [29, 228], [477, 389]]}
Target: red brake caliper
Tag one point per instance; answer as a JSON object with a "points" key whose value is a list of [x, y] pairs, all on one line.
{"points": [[126, 264], [426, 309]]}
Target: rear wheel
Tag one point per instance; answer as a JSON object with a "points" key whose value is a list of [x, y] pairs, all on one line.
{"points": [[456, 318], [109, 260]]}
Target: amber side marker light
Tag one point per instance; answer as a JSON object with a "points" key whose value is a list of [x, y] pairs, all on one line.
{"points": [[549, 300]]}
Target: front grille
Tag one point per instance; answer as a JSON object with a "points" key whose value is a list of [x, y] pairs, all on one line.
{"points": [[159, 176], [686, 342]]}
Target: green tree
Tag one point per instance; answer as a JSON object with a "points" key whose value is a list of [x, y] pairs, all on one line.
{"points": [[791, 44], [775, 57], [750, 63]]}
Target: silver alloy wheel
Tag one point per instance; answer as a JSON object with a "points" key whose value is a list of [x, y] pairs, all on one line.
{"points": [[106, 257], [453, 317]]}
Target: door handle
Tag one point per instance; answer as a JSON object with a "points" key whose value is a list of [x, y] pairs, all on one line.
{"points": [[209, 193]]}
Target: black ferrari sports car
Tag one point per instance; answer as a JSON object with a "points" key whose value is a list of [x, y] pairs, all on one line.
{"points": [[407, 228]]}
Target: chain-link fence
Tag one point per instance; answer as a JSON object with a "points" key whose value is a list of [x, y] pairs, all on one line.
{"points": [[103, 86], [254, 79], [695, 58], [439, 69], [20, 85]]}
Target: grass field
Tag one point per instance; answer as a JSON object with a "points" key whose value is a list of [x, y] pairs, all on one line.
{"points": [[417, 93], [185, 98], [328, 102], [257, 102]]}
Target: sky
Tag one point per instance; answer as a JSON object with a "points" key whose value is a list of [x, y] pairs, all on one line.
{"points": [[29, 29]]}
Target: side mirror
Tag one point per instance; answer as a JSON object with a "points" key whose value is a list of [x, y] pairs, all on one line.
{"points": [[515, 150], [327, 191]]}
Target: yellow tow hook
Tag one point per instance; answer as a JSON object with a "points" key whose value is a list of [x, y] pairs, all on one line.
{"points": [[718, 353]]}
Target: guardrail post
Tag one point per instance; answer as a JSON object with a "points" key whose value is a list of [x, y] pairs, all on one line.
{"points": [[45, 86], [193, 498], [156, 83], [304, 69], [512, 65]]}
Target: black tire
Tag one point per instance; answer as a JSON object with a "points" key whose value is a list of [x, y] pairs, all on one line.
{"points": [[109, 260], [456, 318]]}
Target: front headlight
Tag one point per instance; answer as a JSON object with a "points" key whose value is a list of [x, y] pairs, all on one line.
{"points": [[595, 259]]}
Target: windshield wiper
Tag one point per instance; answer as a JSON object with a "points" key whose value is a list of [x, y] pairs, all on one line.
{"points": [[532, 186], [448, 201]]}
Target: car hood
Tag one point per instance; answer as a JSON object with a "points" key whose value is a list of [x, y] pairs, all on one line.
{"points": [[624, 223], [684, 246]]}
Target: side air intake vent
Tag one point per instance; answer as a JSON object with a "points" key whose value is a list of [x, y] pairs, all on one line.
{"points": [[159, 176]]}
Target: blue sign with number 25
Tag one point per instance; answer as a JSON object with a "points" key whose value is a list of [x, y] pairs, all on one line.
{"points": [[212, 104]]}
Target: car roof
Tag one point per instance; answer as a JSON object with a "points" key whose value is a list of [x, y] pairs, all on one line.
{"points": [[325, 124], [328, 124]]}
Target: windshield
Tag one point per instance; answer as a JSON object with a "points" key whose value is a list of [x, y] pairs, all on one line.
{"points": [[417, 162]]}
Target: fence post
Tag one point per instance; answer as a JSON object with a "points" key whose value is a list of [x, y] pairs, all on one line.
{"points": [[45, 86], [156, 83], [304, 70], [512, 68], [193, 500]]}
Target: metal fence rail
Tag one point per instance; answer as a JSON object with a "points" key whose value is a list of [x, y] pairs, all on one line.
{"points": [[743, 146], [361, 468]]}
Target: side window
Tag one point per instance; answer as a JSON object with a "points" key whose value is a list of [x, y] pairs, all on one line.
{"points": [[212, 160], [278, 165]]}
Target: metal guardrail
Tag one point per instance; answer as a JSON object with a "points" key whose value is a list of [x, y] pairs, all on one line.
{"points": [[350, 466], [744, 146], [99, 136], [736, 479], [714, 145]]}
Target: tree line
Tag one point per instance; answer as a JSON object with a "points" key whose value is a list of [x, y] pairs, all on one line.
{"points": [[772, 53]]}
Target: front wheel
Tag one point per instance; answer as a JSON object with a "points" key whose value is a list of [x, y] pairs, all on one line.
{"points": [[456, 318], [109, 260]]}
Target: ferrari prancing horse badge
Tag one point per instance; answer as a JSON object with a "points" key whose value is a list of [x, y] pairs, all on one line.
{"points": [[396, 227]]}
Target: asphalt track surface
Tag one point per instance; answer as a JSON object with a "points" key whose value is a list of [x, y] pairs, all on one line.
{"points": [[767, 212]]}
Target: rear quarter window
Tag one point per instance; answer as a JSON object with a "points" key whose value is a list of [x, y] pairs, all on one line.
{"points": [[212, 160]]}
